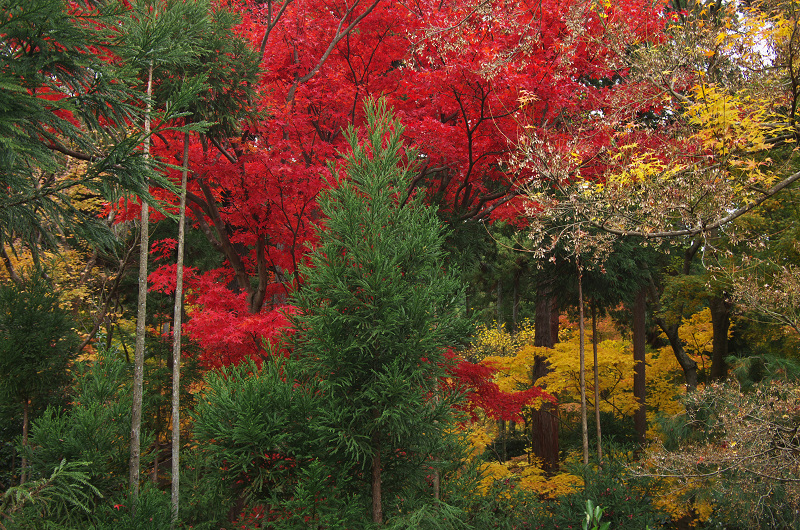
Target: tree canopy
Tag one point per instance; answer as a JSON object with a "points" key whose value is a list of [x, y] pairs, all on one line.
{"points": [[372, 237]]}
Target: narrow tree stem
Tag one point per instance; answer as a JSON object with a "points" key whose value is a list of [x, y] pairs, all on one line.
{"points": [[595, 340], [176, 338], [582, 325], [141, 320]]}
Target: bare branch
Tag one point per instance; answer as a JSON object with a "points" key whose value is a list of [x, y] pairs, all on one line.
{"points": [[788, 181], [340, 34]]}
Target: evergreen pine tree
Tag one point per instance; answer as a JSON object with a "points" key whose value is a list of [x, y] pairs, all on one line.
{"points": [[37, 343], [64, 126], [376, 314]]}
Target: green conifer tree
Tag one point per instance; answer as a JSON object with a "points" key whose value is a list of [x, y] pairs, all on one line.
{"points": [[376, 313], [37, 344]]}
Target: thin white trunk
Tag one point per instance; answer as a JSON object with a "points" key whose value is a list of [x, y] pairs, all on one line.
{"points": [[176, 339], [584, 424], [596, 384], [141, 316]]}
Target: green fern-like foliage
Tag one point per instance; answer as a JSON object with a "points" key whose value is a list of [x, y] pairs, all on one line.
{"points": [[50, 501]]}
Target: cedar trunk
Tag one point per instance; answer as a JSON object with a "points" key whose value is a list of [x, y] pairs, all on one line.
{"points": [[26, 404], [176, 340], [639, 376], [544, 422], [720, 324], [595, 340], [582, 368], [377, 501]]}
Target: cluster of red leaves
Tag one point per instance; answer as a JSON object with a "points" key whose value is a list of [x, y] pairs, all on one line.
{"points": [[476, 382]]}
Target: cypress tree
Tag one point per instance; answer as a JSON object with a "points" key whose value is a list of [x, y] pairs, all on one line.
{"points": [[375, 315], [37, 342]]}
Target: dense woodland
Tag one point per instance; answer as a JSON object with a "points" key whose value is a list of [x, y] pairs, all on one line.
{"points": [[411, 264]]}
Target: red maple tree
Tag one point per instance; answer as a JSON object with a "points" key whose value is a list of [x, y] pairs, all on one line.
{"points": [[466, 78]]}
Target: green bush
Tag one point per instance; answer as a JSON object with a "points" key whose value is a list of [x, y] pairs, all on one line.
{"points": [[153, 512], [259, 450], [95, 430], [61, 500]]}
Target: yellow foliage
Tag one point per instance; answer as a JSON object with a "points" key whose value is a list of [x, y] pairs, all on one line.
{"points": [[697, 332], [514, 357], [664, 388], [674, 499], [491, 472], [493, 340], [697, 335], [615, 367], [479, 436], [67, 269], [731, 123], [528, 476], [20, 261], [615, 374]]}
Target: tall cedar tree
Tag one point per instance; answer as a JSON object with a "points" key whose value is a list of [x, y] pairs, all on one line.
{"points": [[157, 38], [227, 68], [376, 314], [37, 344]]}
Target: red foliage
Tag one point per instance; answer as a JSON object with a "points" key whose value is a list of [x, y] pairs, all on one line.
{"points": [[475, 380], [226, 331], [465, 78]]}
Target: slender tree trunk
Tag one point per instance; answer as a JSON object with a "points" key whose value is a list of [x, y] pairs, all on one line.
{"points": [[544, 421], [436, 476], [582, 367], [515, 306], [595, 340], [156, 454], [503, 449], [176, 339], [639, 366], [141, 316], [720, 324], [26, 405], [377, 501], [499, 306]]}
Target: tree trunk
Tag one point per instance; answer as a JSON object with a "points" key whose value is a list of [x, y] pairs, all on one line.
{"points": [[26, 405], [156, 454], [515, 302], [639, 366], [141, 316], [688, 365], [503, 438], [595, 340], [176, 339], [720, 324], [544, 312], [554, 321], [544, 422], [12, 272], [377, 502], [582, 367], [499, 306]]}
